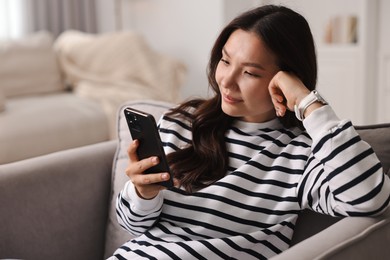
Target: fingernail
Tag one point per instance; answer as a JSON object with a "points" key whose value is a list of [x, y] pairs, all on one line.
{"points": [[155, 160], [165, 176]]}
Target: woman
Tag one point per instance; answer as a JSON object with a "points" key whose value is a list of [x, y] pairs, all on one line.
{"points": [[244, 164]]}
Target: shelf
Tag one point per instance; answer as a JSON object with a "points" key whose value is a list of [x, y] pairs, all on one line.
{"points": [[339, 47]]}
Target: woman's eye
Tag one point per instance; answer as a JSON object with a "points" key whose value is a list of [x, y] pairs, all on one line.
{"points": [[224, 61], [251, 74]]}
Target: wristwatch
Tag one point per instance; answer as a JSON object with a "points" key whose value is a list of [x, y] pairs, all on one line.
{"points": [[314, 96]]}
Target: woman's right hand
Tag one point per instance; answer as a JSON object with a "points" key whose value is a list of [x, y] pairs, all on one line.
{"points": [[145, 184]]}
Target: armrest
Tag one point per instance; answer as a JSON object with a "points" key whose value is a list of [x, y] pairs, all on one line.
{"points": [[350, 238], [55, 206]]}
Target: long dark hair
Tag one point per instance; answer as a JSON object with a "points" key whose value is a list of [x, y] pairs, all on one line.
{"points": [[287, 35]]}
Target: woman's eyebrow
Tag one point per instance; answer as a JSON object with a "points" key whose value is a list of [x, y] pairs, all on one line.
{"points": [[248, 64]]}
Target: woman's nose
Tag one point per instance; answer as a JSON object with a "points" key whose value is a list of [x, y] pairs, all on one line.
{"points": [[229, 80]]}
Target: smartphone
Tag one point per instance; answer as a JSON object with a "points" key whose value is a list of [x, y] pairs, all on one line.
{"points": [[143, 127]]}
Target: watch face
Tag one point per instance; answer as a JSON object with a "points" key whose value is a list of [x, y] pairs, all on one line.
{"points": [[319, 98]]}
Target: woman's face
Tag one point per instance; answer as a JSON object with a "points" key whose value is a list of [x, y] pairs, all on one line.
{"points": [[243, 75]]}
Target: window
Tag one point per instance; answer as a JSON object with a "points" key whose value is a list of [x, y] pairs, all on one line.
{"points": [[12, 19]]}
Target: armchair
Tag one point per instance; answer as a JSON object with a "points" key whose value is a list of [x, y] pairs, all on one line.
{"points": [[59, 206]]}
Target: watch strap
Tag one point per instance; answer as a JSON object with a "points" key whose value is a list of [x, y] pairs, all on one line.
{"points": [[300, 109]]}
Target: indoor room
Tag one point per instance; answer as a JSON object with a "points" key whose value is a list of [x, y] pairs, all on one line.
{"points": [[71, 69]]}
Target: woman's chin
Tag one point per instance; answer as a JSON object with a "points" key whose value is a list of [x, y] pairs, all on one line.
{"points": [[230, 111]]}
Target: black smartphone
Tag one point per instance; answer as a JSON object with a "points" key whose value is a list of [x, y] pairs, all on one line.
{"points": [[143, 127]]}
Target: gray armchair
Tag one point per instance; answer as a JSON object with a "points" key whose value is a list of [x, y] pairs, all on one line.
{"points": [[57, 207]]}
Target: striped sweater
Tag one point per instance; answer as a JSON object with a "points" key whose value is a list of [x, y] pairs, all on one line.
{"points": [[274, 173]]}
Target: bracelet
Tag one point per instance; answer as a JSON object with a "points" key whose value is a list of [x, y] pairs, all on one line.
{"points": [[300, 109]]}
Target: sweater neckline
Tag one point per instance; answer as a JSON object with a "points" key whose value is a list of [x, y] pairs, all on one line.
{"points": [[249, 127]]}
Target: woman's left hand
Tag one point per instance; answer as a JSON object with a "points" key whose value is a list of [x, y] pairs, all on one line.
{"points": [[286, 90]]}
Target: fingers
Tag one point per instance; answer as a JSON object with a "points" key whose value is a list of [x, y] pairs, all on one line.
{"points": [[145, 184], [150, 178], [137, 167], [286, 90], [279, 105], [277, 98], [280, 110], [132, 151]]}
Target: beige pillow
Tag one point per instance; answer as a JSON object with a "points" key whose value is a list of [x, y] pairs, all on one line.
{"points": [[29, 66], [123, 61], [116, 236]]}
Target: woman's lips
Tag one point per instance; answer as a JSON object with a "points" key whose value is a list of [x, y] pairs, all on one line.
{"points": [[230, 99]]}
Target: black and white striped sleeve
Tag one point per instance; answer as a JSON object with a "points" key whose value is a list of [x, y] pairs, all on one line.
{"points": [[135, 214], [343, 176]]}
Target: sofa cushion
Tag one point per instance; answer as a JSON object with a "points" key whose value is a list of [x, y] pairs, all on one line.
{"points": [[378, 136], [121, 60], [36, 125], [29, 66], [116, 235]]}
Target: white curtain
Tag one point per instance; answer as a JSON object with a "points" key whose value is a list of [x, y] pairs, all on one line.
{"points": [[19, 17], [12, 19], [59, 15]]}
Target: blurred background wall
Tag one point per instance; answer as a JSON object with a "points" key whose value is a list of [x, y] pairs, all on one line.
{"points": [[352, 38]]}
